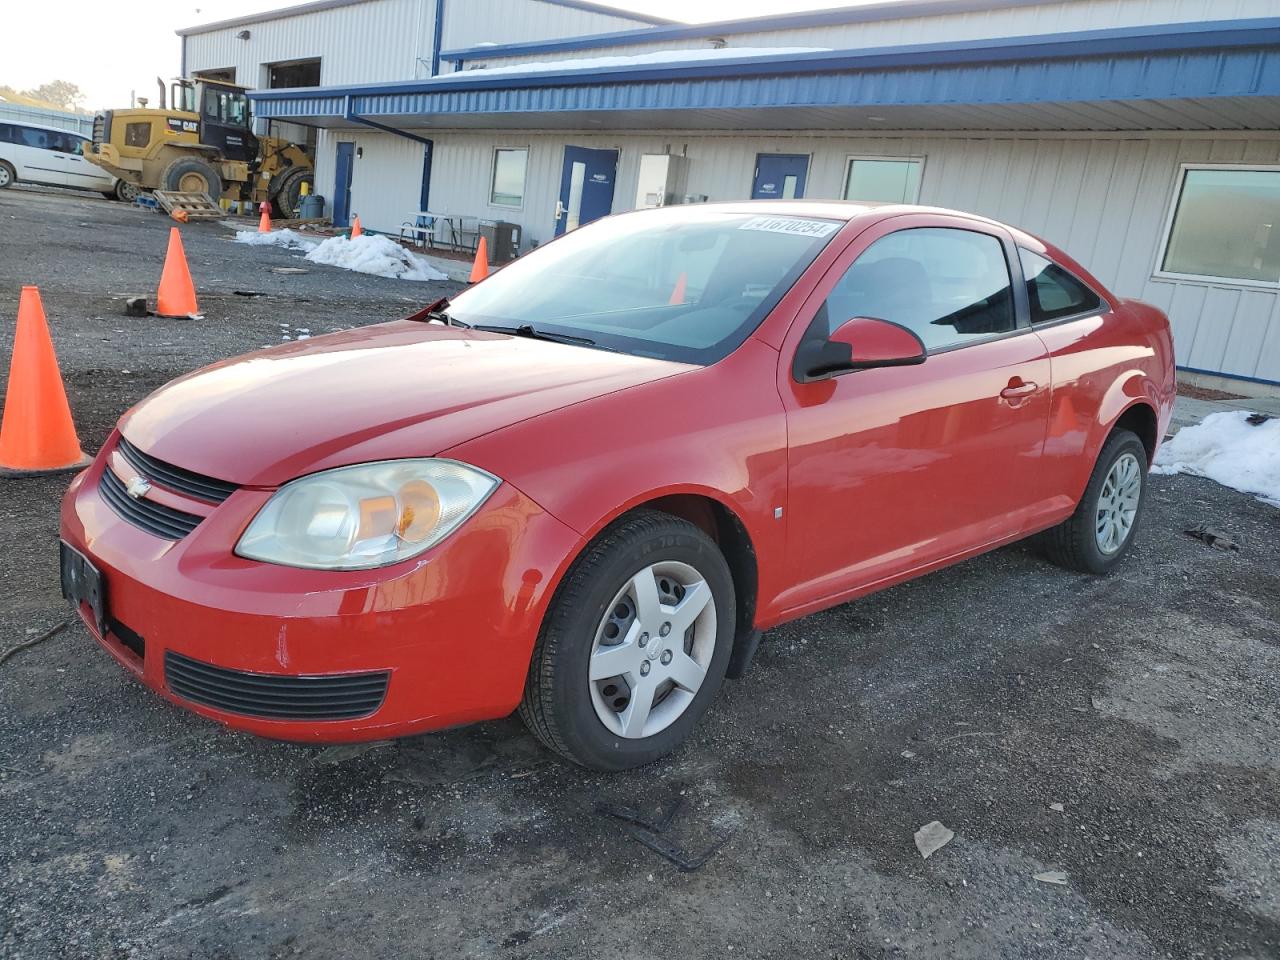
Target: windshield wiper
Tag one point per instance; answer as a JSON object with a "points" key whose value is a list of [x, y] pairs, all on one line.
{"points": [[530, 331]]}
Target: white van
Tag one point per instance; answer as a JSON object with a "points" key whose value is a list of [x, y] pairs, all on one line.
{"points": [[30, 153]]}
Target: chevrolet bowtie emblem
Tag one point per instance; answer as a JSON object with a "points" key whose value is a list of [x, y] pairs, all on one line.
{"points": [[137, 488]]}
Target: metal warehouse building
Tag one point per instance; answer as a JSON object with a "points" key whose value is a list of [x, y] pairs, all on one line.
{"points": [[1141, 135]]}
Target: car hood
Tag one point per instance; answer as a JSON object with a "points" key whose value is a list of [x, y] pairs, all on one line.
{"points": [[402, 389]]}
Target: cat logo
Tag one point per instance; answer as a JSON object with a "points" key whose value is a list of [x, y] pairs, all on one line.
{"points": [[178, 125]]}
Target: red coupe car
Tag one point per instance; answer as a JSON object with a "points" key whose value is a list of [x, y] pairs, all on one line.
{"points": [[583, 487]]}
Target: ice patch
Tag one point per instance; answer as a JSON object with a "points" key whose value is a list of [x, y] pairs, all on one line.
{"points": [[376, 255], [277, 238], [1226, 448]]}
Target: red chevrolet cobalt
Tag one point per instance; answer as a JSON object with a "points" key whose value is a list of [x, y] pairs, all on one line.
{"points": [[583, 487]]}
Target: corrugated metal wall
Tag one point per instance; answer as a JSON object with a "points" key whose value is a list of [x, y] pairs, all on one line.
{"points": [[468, 23], [378, 40], [1102, 198], [75, 122], [1071, 16]]}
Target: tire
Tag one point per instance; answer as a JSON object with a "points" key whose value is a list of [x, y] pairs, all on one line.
{"points": [[288, 198], [186, 174], [585, 719], [125, 191], [8, 176], [1077, 543]]}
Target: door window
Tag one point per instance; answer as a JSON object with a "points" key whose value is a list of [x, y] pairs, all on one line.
{"points": [[1054, 292], [950, 286]]}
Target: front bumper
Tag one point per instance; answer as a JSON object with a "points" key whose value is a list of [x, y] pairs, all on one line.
{"points": [[452, 630]]}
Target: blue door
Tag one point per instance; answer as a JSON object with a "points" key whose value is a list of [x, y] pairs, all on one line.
{"points": [[342, 185], [586, 187], [780, 176]]}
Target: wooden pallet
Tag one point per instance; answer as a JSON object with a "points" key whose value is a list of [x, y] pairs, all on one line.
{"points": [[198, 206]]}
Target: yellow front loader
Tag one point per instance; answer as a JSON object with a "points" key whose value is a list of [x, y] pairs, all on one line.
{"points": [[202, 143]]}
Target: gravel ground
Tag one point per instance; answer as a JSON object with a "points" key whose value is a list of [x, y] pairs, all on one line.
{"points": [[1122, 731]]}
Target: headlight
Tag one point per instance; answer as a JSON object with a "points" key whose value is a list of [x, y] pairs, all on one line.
{"points": [[370, 515]]}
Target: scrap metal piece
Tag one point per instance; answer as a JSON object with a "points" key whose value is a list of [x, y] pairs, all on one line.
{"points": [[683, 861], [631, 815]]}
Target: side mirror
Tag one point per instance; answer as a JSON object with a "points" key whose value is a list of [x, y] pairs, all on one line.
{"points": [[858, 344]]}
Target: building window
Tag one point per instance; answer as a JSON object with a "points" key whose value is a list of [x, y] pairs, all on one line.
{"points": [[1225, 225], [507, 189], [886, 179]]}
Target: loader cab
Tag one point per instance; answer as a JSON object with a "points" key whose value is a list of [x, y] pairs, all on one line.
{"points": [[225, 122]]}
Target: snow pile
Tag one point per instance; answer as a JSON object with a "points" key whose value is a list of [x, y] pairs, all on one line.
{"points": [[656, 57], [375, 254], [1226, 448], [276, 238]]}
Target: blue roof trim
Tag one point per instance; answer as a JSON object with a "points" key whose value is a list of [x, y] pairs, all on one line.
{"points": [[867, 13], [1174, 75], [618, 12], [1217, 35]]}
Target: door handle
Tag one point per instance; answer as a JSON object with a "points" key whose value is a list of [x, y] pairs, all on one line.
{"points": [[559, 209], [1018, 388]]}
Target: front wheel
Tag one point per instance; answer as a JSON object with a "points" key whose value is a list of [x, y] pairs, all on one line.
{"points": [[125, 191], [634, 646], [1100, 532]]}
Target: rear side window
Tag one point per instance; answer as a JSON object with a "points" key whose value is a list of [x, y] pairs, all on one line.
{"points": [[35, 137], [950, 286], [8, 133], [1054, 291], [137, 134]]}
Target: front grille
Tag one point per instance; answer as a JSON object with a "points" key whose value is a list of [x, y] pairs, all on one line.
{"points": [[129, 638], [155, 518], [340, 696], [174, 478]]}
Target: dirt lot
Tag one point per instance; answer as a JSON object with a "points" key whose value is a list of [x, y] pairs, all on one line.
{"points": [[1146, 704]]}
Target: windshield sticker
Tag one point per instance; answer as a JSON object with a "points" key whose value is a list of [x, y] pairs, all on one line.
{"points": [[792, 225]]}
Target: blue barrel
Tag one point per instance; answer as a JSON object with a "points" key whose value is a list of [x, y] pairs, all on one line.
{"points": [[311, 207]]}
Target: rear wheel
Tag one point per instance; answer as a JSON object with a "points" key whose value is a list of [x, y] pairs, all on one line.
{"points": [[8, 176], [192, 175], [1100, 532], [634, 646]]}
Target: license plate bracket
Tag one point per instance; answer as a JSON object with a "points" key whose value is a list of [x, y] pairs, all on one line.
{"points": [[82, 582]]}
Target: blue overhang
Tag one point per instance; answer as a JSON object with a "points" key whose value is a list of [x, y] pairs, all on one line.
{"points": [[1231, 67]]}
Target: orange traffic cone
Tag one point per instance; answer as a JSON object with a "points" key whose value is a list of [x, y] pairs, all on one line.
{"points": [[677, 294], [480, 269], [264, 221], [356, 229], [177, 294], [37, 434]]}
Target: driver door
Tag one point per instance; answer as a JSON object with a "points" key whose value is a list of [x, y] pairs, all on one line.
{"points": [[897, 469]]}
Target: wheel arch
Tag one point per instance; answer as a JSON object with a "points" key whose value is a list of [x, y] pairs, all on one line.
{"points": [[712, 513]]}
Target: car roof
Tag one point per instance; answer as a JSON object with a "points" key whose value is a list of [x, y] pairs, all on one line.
{"points": [[42, 126], [868, 210]]}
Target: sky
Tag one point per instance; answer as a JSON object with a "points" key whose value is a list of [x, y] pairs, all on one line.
{"points": [[110, 50]]}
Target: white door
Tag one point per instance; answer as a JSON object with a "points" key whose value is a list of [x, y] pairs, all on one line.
{"points": [[37, 161], [79, 171]]}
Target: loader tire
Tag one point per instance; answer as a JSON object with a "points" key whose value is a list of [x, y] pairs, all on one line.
{"points": [[288, 198], [192, 175]]}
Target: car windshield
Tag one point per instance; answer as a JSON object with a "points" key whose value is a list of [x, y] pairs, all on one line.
{"points": [[687, 284]]}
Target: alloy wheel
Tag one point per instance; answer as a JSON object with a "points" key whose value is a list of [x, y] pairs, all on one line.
{"points": [[1118, 504], [652, 649]]}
